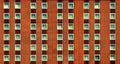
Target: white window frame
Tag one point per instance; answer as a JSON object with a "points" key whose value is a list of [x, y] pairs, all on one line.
{"points": [[96, 45], [58, 58], [59, 26], [58, 6], [8, 27], [45, 14], [85, 37], [95, 56], [86, 59], [96, 38], [31, 26], [46, 25], [111, 46], [8, 36], [42, 5], [31, 5], [31, 45], [5, 48], [69, 26], [96, 25], [112, 59], [112, 3], [59, 17], [8, 5], [69, 37], [31, 37], [17, 7], [95, 15], [31, 58], [16, 27], [8, 16], [69, 48], [87, 4], [16, 37], [46, 37], [86, 45], [69, 17], [69, 4], [85, 27], [43, 59], [112, 38], [84, 15], [32, 17], [111, 15], [59, 45], [8, 57], [16, 16], [44, 45], [98, 5], [16, 47], [58, 35], [111, 25], [69, 58], [19, 56]]}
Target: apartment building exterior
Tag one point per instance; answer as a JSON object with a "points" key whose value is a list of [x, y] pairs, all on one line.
{"points": [[59, 31]]}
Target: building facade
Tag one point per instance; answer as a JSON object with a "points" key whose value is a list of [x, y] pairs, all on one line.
{"points": [[59, 32]]}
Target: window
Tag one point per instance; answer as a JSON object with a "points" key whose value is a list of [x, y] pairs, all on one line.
{"points": [[6, 58], [97, 46], [33, 5], [70, 36], [17, 36], [17, 58], [86, 26], [59, 15], [70, 5], [112, 37], [86, 47], [33, 47], [97, 26], [17, 15], [44, 26], [6, 16], [97, 36], [112, 47], [6, 37], [17, 26], [44, 58], [70, 26], [86, 57], [97, 57], [112, 15], [112, 57], [33, 26], [86, 6], [70, 15], [44, 37], [44, 15], [59, 46], [59, 36], [6, 26], [33, 36], [86, 37], [97, 5], [70, 57], [112, 26], [112, 5], [59, 26], [44, 47], [17, 47], [44, 6], [86, 16], [33, 16], [59, 5], [97, 16], [17, 5], [59, 57], [6, 47], [6, 5], [70, 46], [33, 58]]}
